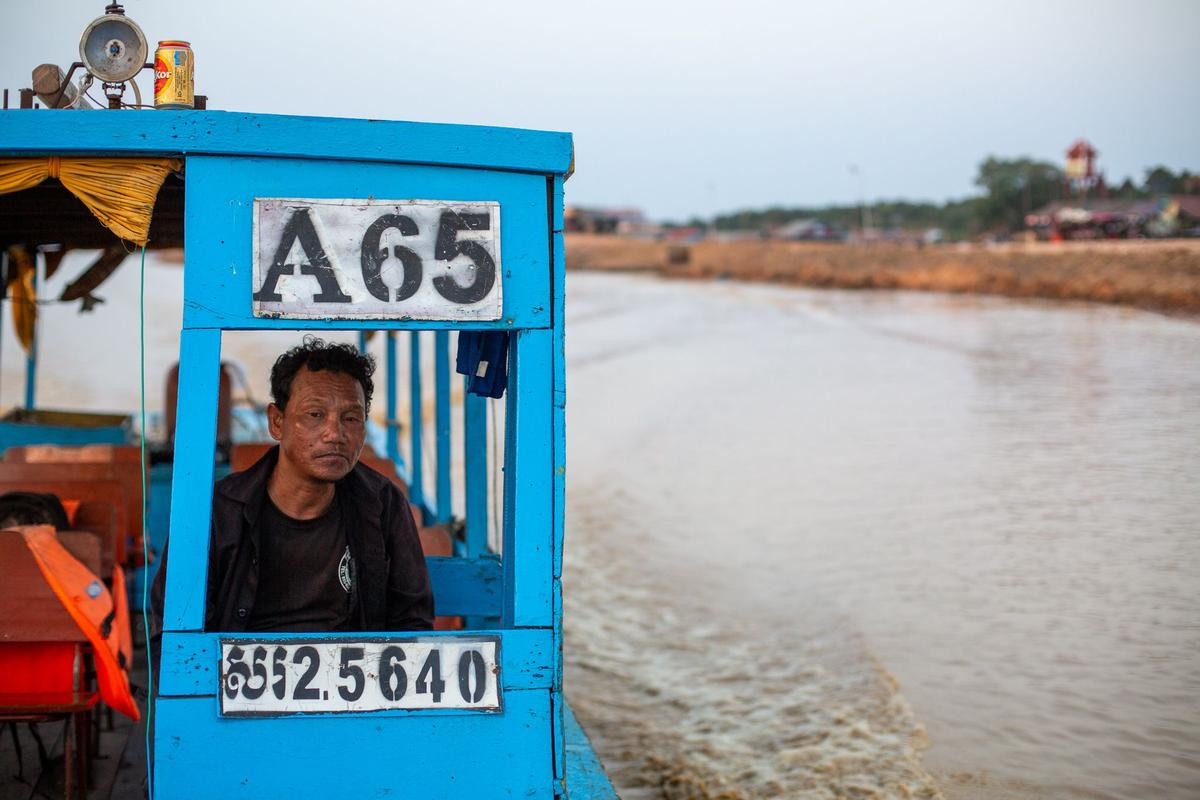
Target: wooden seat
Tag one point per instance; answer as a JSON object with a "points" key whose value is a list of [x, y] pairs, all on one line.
{"points": [[126, 467], [102, 499]]}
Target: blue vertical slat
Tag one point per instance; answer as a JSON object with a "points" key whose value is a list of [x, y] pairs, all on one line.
{"points": [[475, 459], [528, 472], [393, 440], [362, 341], [416, 488], [441, 380], [558, 291], [191, 484]]}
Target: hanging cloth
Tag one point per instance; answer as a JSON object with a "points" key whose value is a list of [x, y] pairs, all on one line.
{"points": [[119, 191], [23, 294], [91, 606], [483, 358]]}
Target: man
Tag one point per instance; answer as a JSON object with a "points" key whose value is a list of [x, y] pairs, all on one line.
{"points": [[307, 539]]}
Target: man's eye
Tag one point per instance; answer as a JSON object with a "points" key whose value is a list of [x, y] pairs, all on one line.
{"points": [[315, 414]]}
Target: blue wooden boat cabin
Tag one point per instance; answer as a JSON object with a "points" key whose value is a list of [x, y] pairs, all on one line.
{"points": [[415, 231]]}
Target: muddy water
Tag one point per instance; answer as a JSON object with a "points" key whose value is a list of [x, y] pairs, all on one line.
{"points": [[812, 533], [828, 544]]}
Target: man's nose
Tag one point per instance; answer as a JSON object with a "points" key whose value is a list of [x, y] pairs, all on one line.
{"points": [[333, 430]]}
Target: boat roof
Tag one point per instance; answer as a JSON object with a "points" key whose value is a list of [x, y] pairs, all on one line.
{"points": [[47, 213], [189, 132]]}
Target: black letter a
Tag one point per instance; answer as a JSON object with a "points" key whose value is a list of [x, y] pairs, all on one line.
{"points": [[300, 226]]}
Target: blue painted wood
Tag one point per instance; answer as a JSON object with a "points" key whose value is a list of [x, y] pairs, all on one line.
{"points": [[559, 287], [441, 373], [191, 485], [217, 291], [230, 133], [199, 755], [393, 433], [529, 502], [416, 485], [362, 341], [13, 434], [466, 586], [585, 775], [556, 206], [191, 661], [520, 751], [475, 479]]}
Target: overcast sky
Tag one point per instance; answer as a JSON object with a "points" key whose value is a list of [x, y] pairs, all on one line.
{"points": [[701, 107]]}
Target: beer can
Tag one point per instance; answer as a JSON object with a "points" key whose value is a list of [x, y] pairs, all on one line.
{"points": [[173, 67]]}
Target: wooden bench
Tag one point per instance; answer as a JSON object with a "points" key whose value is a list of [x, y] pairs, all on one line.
{"points": [[126, 464], [100, 492]]}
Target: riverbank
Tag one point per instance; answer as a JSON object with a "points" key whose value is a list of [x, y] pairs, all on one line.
{"points": [[1155, 275]]}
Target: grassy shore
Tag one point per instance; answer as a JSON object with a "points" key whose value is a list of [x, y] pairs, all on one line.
{"points": [[1158, 275]]}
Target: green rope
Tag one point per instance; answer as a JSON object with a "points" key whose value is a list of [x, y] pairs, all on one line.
{"points": [[145, 537]]}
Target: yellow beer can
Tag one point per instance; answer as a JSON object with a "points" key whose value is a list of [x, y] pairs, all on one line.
{"points": [[174, 64]]}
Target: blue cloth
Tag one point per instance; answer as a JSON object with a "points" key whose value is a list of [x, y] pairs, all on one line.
{"points": [[483, 356]]}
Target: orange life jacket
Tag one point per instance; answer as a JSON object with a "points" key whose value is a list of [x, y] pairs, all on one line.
{"points": [[91, 605]]}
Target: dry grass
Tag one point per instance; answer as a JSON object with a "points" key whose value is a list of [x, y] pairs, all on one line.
{"points": [[1163, 275]]}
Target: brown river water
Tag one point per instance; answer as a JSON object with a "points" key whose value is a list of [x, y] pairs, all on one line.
{"points": [[830, 544]]}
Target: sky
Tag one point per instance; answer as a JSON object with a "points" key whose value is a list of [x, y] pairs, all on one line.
{"points": [[698, 108]]}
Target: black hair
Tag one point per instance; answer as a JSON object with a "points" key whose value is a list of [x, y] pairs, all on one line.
{"points": [[318, 354]]}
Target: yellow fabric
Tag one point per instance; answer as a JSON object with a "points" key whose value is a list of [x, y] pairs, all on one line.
{"points": [[119, 191], [23, 295]]}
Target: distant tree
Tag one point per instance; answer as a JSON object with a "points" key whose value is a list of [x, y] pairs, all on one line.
{"points": [[1127, 190], [1013, 188], [1161, 180]]}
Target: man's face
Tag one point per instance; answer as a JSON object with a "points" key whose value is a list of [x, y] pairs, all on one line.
{"points": [[322, 430]]}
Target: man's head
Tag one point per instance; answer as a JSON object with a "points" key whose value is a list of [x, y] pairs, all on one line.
{"points": [[321, 392]]}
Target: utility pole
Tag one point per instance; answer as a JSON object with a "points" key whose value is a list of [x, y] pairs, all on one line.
{"points": [[864, 210]]}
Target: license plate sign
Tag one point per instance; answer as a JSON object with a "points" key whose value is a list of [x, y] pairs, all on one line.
{"points": [[362, 258], [301, 676]]}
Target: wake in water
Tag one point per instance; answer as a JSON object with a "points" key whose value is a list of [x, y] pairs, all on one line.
{"points": [[687, 701]]}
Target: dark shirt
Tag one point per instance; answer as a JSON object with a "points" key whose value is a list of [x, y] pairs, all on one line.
{"points": [[390, 591], [304, 573]]}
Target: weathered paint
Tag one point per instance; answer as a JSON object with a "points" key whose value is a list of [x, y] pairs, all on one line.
{"points": [[200, 755], [243, 135], [216, 288]]}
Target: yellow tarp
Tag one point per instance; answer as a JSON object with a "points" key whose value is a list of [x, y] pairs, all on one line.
{"points": [[119, 191], [23, 294]]}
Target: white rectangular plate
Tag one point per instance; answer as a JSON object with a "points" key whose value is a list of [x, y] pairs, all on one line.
{"points": [[299, 676], [376, 259]]}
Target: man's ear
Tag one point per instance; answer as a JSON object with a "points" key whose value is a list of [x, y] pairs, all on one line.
{"points": [[275, 421]]}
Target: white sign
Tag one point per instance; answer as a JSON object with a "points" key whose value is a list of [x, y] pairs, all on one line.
{"points": [[376, 259], [299, 676]]}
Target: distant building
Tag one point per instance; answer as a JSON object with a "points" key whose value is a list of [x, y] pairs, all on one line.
{"points": [[1103, 218], [622, 221]]}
